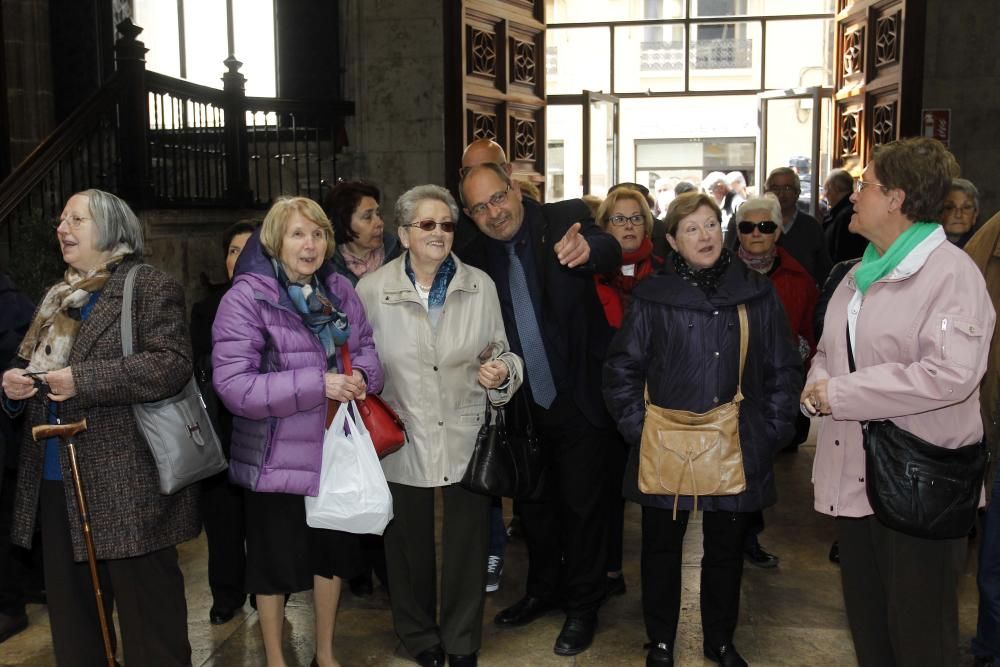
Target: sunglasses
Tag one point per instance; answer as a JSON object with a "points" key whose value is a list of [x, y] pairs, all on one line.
{"points": [[765, 227], [447, 226]]}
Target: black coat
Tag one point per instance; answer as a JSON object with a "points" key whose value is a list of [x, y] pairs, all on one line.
{"points": [[686, 347], [842, 243], [202, 317], [570, 308]]}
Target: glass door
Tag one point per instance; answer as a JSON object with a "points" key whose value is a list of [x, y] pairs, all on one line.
{"points": [[581, 145], [795, 132]]}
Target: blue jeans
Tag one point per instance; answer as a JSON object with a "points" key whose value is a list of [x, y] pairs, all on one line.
{"points": [[498, 533], [987, 639]]}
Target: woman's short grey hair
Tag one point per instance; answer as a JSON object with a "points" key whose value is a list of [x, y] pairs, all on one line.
{"points": [[767, 203], [712, 179], [966, 187], [115, 222], [406, 205]]}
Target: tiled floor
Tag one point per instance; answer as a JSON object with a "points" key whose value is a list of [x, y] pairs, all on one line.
{"points": [[792, 615]]}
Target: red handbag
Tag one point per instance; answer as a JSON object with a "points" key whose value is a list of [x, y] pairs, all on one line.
{"points": [[384, 426]]}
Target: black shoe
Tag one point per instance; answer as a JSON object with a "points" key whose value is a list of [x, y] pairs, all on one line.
{"points": [[755, 555], [524, 611], [661, 654], [835, 553], [469, 660], [725, 655], [983, 661], [614, 585], [11, 625], [362, 585], [220, 615], [432, 657], [577, 635]]}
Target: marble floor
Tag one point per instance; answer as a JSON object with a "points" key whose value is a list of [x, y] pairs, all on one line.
{"points": [[792, 615]]}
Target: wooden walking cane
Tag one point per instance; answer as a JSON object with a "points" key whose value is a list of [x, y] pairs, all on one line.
{"points": [[65, 432]]}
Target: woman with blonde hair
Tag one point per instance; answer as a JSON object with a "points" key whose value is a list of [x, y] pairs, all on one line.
{"points": [[277, 338]]}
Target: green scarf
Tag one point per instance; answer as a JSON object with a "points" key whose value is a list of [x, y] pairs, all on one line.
{"points": [[875, 267]]}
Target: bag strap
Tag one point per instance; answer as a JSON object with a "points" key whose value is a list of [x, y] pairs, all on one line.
{"points": [[126, 313], [850, 351], [345, 358]]}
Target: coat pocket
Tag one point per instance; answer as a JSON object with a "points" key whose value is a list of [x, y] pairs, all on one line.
{"points": [[962, 340]]}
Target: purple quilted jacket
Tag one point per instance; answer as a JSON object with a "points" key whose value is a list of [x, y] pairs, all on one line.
{"points": [[268, 370]]}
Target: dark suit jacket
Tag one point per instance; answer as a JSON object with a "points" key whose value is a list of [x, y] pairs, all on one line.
{"points": [[570, 308], [128, 515], [840, 241]]}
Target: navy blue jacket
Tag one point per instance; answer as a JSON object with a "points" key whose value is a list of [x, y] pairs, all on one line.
{"points": [[686, 346]]}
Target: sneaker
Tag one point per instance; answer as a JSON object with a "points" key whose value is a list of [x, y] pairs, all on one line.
{"points": [[494, 570]]}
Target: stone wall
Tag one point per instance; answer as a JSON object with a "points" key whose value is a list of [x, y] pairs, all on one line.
{"points": [[28, 68], [395, 74], [961, 73]]}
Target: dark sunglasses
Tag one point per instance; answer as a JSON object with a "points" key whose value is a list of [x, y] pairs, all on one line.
{"points": [[448, 227], [765, 227]]}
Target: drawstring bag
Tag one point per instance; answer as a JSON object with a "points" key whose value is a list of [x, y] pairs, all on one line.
{"points": [[353, 494]]}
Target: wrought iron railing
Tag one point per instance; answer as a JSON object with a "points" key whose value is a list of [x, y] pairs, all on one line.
{"points": [[706, 54]]}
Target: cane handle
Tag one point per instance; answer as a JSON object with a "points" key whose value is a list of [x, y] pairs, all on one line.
{"points": [[46, 431]]}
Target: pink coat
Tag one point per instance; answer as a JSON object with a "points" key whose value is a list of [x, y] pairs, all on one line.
{"points": [[921, 341]]}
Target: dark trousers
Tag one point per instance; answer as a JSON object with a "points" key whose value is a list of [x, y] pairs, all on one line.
{"points": [[566, 532], [148, 590], [987, 639], [13, 560], [411, 561], [901, 594], [614, 503], [721, 572], [222, 512]]}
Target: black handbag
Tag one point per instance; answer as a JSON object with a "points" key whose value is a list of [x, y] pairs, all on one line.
{"points": [[506, 461], [919, 488]]}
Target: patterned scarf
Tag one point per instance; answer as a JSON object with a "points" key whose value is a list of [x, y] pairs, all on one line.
{"points": [[759, 263], [875, 267], [50, 338], [359, 266], [319, 314], [439, 288], [707, 280]]}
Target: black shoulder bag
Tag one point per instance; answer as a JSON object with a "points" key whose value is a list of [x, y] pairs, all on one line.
{"points": [[916, 487]]}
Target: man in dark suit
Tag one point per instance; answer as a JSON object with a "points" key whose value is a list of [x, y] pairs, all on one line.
{"points": [[543, 258], [840, 241]]}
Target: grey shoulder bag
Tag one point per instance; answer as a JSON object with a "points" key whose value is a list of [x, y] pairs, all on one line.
{"points": [[177, 429]]}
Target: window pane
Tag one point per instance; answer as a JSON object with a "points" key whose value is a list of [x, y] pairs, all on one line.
{"points": [[564, 157], [587, 11], [577, 59], [158, 19], [205, 41], [812, 64], [253, 22], [725, 56], [708, 8], [703, 133], [649, 58]]}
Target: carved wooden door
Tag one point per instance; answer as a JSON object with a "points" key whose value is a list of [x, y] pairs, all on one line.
{"points": [[495, 78], [879, 76]]}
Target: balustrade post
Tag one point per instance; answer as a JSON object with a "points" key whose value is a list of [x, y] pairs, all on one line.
{"points": [[237, 158], [135, 185]]}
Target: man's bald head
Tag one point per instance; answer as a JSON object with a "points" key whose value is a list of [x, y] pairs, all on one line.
{"points": [[482, 151]]}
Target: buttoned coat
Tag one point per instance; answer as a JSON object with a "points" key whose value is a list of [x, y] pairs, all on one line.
{"points": [[431, 373], [128, 514]]}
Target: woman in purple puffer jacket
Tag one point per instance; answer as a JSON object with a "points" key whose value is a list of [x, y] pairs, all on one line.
{"points": [[276, 341]]}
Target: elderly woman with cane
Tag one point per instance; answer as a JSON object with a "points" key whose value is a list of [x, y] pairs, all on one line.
{"points": [[71, 367]]}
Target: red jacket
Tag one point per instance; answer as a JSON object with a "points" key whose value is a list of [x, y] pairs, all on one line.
{"points": [[798, 293]]}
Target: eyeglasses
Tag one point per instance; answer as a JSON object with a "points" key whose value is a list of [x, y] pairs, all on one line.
{"points": [[620, 220], [782, 188], [72, 221], [496, 200], [860, 185], [696, 228], [964, 209], [447, 226], [765, 227]]}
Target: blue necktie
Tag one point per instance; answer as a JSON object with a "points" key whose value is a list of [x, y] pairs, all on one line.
{"points": [[536, 362]]}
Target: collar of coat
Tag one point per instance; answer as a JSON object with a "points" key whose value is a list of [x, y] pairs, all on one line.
{"points": [[397, 286], [738, 285]]}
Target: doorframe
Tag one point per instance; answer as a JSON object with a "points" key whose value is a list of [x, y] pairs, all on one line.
{"points": [[584, 100]]}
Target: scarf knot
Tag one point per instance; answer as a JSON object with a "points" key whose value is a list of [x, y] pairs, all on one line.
{"points": [[320, 315], [707, 279]]}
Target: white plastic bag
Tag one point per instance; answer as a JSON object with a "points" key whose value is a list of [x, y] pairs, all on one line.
{"points": [[353, 495]]}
